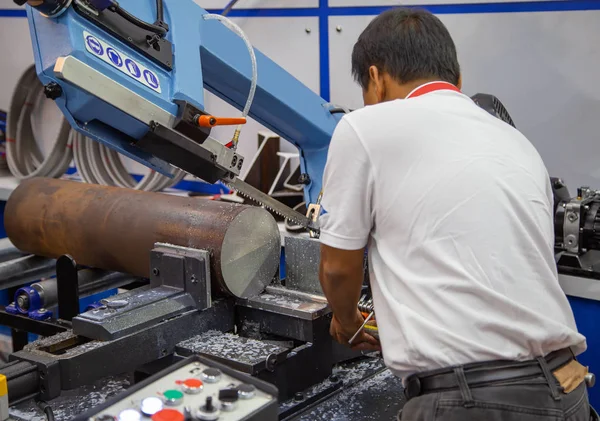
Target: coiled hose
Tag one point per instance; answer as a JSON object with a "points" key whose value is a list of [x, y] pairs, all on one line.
{"points": [[95, 162], [23, 155], [98, 164]]}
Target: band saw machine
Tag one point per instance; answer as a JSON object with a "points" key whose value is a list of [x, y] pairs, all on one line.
{"points": [[139, 87]]}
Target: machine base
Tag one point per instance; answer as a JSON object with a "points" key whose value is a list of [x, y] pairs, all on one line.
{"points": [[359, 390]]}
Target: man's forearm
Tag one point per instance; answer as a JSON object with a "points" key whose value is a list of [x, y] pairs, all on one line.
{"points": [[342, 291]]}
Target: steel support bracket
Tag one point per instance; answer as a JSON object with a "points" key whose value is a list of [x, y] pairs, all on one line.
{"points": [[184, 268]]}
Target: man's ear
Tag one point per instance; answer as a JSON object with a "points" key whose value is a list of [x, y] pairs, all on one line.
{"points": [[377, 79]]}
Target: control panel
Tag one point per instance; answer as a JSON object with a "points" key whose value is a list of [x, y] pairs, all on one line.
{"points": [[193, 389]]}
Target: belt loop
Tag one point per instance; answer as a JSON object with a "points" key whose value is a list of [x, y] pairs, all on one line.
{"points": [[464, 387], [551, 384]]}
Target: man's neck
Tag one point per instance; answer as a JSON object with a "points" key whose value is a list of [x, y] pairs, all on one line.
{"points": [[401, 91]]}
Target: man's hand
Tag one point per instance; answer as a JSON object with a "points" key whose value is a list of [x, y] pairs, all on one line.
{"points": [[342, 332]]}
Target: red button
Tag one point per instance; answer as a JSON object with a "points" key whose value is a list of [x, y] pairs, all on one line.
{"points": [[168, 415], [193, 383]]}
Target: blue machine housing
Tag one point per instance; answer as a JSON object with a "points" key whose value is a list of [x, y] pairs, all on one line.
{"points": [[206, 55]]}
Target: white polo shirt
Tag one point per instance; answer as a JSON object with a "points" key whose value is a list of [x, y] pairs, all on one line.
{"points": [[456, 208]]}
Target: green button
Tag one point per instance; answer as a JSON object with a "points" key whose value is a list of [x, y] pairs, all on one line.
{"points": [[173, 397]]}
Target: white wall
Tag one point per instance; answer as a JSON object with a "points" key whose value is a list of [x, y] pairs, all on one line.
{"points": [[543, 66], [286, 41], [254, 4], [15, 48], [340, 3]]}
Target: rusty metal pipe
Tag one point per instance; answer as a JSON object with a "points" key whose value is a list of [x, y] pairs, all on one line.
{"points": [[115, 228]]}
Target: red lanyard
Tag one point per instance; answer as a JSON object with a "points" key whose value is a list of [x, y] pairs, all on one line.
{"points": [[432, 87]]}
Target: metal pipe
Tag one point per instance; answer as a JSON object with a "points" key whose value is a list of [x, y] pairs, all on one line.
{"points": [[91, 281], [25, 269], [8, 251], [115, 229]]}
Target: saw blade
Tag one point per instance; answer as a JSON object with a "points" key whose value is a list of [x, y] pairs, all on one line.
{"points": [[270, 203]]}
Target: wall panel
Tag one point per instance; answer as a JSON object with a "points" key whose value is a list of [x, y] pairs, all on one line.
{"points": [[288, 43], [370, 3], [16, 53], [9, 4], [258, 4], [543, 67]]}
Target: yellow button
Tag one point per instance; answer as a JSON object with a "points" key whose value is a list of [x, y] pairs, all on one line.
{"points": [[3, 385]]}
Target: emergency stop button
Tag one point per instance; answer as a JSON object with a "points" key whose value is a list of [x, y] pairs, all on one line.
{"points": [[168, 415], [192, 386]]}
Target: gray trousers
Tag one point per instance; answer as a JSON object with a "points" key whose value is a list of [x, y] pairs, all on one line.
{"points": [[521, 400]]}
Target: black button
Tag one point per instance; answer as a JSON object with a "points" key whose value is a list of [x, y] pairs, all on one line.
{"points": [[246, 391], [228, 395]]}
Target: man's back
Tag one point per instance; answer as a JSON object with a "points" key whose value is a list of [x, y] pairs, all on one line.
{"points": [[461, 248]]}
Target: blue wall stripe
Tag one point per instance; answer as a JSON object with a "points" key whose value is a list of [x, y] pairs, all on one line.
{"points": [[324, 49], [513, 7], [270, 13], [324, 10], [12, 13]]}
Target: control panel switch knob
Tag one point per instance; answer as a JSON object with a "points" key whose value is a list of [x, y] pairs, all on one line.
{"points": [[208, 412]]}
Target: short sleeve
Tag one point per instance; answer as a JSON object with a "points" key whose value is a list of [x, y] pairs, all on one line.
{"points": [[347, 219]]}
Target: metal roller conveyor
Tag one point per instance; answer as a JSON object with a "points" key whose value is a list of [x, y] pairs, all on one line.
{"points": [[25, 269], [115, 229], [8, 251], [91, 281]]}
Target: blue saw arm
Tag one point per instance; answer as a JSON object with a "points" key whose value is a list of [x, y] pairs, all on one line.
{"points": [[111, 88]]}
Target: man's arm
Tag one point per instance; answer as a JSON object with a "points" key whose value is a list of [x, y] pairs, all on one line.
{"points": [[341, 276], [345, 231]]}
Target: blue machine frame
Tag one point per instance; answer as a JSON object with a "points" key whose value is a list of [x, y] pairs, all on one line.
{"points": [[206, 54]]}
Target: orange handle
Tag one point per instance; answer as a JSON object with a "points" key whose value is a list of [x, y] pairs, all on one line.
{"points": [[210, 121]]}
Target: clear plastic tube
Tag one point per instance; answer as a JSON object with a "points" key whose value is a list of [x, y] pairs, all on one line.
{"points": [[231, 25]]}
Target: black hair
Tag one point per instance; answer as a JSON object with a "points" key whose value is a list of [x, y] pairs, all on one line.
{"points": [[409, 44]]}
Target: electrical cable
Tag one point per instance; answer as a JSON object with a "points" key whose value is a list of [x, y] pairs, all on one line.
{"points": [[49, 413], [23, 155], [138, 22], [160, 11], [47, 410], [232, 26]]}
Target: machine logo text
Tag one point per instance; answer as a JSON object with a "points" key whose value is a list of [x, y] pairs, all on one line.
{"points": [[120, 61]]}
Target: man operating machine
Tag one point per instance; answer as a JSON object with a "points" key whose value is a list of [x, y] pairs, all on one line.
{"points": [[456, 208]]}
